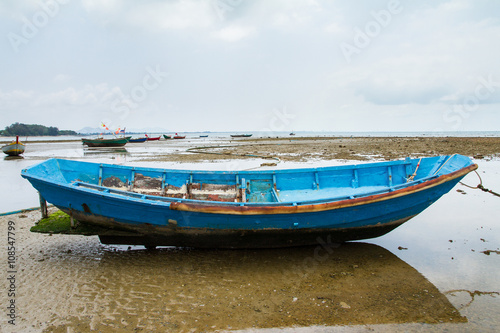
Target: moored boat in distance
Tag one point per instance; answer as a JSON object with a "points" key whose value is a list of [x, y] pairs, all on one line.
{"points": [[167, 137], [156, 138], [241, 135], [101, 142], [245, 209], [138, 140], [15, 148]]}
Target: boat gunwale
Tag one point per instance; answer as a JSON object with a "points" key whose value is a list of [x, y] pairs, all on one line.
{"points": [[142, 196], [246, 208], [238, 172], [105, 140]]}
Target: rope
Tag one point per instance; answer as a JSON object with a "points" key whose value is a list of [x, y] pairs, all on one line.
{"points": [[409, 179], [442, 165], [480, 186]]}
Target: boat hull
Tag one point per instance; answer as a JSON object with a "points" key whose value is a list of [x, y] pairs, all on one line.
{"points": [[96, 143], [241, 135], [14, 149], [233, 239], [139, 140]]}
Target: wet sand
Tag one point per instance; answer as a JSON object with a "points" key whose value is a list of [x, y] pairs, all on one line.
{"points": [[303, 149], [408, 280], [73, 283]]}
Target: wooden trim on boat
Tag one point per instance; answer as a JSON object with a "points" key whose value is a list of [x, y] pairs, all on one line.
{"points": [[309, 208]]}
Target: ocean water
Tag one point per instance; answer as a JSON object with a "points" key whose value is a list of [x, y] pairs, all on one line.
{"points": [[260, 134]]}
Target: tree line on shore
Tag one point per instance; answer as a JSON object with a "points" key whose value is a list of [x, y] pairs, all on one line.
{"points": [[33, 130]]}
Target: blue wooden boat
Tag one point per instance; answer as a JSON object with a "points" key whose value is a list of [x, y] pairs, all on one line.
{"points": [[138, 140], [246, 209]]}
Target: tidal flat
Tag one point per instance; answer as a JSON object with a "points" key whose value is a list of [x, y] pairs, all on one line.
{"points": [[437, 272]]}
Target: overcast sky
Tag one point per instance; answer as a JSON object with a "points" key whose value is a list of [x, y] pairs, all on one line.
{"points": [[249, 65]]}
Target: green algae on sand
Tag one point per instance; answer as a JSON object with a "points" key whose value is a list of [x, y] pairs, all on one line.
{"points": [[60, 223]]}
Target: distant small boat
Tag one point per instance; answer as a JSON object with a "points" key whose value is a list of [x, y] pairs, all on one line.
{"points": [[245, 209], [292, 133], [101, 142], [241, 135], [138, 140], [156, 138], [203, 136], [15, 148], [177, 136], [167, 137]]}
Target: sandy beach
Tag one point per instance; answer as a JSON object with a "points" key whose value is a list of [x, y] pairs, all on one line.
{"points": [[407, 280], [303, 149]]}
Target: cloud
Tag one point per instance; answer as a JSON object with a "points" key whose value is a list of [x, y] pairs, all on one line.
{"points": [[66, 108], [61, 78], [177, 15], [484, 90], [335, 28], [401, 95], [89, 95], [234, 33], [13, 98], [15, 9], [153, 14], [428, 56], [104, 6], [293, 13]]}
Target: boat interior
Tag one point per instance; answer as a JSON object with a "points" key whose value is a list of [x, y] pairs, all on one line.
{"points": [[274, 187]]}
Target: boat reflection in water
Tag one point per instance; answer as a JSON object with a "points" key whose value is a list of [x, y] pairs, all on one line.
{"points": [[175, 289], [101, 152], [18, 157]]}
